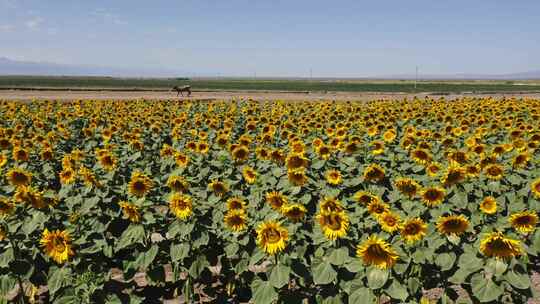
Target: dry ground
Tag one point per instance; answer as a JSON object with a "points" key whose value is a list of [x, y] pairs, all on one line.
{"points": [[227, 95]]}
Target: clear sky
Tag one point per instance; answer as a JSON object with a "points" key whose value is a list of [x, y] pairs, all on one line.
{"points": [[278, 38]]}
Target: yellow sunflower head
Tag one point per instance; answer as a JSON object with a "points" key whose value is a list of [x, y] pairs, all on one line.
{"points": [[181, 159], [413, 230], [240, 153], [6, 207], [535, 188], [219, 188], [374, 173], [390, 222], [107, 161], [296, 161], [297, 177], [498, 246], [177, 183], [295, 212], [453, 175], [365, 198], [181, 205], [324, 151], [3, 160], [57, 245], [67, 176], [333, 224], [276, 200], [376, 147], [494, 171], [377, 252], [235, 203], [421, 156], [140, 184], [19, 177], [407, 186], [433, 169], [524, 222], [377, 208], [333, 177], [131, 212], [20, 154], [433, 196], [452, 224], [488, 205], [249, 174], [521, 160], [389, 135], [235, 220], [272, 237], [330, 204]]}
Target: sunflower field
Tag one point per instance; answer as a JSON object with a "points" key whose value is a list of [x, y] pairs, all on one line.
{"points": [[243, 201]]}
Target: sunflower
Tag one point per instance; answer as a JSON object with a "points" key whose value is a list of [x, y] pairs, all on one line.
{"points": [[324, 151], [453, 175], [377, 147], [107, 161], [277, 156], [32, 197], [497, 245], [407, 186], [433, 196], [494, 171], [472, 170], [67, 176], [181, 159], [333, 177], [249, 174], [374, 173], [88, 177], [297, 177], [452, 224], [272, 237], [3, 160], [3, 235], [177, 183], [330, 204], [262, 153], [296, 161], [389, 135], [236, 203], [365, 198], [413, 230], [333, 224], [240, 153], [377, 208], [524, 221], [521, 160], [295, 212], [19, 177], [390, 222], [421, 156], [140, 184], [488, 205], [6, 207], [535, 188], [377, 252], [276, 200], [181, 205], [203, 147], [235, 220], [219, 188], [57, 245], [20, 154], [433, 169], [131, 212]]}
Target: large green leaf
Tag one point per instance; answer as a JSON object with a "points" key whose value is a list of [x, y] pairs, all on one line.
{"points": [[133, 234], [263, 292], [198, 266], [361, 296], [58, 277], [146, 258], [377, 277], [485, 290], [279, 276], [339, 256], [518, 280], [323, 273], [397, 291], [179, 251], [445, 260]]}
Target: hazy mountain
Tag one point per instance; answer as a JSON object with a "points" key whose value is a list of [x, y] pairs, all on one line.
{"points": [[16, 67], [465, 76]]}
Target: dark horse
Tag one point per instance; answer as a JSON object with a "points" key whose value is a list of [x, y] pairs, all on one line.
{"points": [[180, 89]]}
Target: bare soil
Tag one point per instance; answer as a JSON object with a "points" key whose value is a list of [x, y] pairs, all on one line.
{"points": [[228, 95]]}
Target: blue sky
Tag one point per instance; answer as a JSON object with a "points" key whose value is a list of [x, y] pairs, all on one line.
{"points": [[278, 38]]}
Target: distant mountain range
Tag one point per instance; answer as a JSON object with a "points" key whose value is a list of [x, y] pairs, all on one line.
{"points": [[16, 67]]}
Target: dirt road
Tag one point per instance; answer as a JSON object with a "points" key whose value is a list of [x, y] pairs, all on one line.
{"points": [[226, 95]]}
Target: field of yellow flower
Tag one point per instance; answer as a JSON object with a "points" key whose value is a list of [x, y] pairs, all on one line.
{"points": [[270, 202]]}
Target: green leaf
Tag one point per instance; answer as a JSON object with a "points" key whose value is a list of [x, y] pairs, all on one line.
{"points": [[339, 256], [6, 257], [7, 283], [459, 276], [280, 275], [133, 234], [198, 266], [179, 251], [445, 260], [397, 291], [376, 277], [361, 296], [486, 290], [323, 273], [145, 259], [470, 262], [520, 281], [37, 221], [263, 292], [496, 266], [68, 299], [58, 277]]}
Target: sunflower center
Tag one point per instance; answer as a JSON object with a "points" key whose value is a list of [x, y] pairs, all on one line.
{"points": [[58, 244], [272, 235], [524, 220]]}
